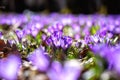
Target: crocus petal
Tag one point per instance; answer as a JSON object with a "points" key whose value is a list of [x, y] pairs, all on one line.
{"points": [[9, 67]]}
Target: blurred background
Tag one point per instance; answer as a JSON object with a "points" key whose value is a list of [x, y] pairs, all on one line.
{"points": [[62, 6]]}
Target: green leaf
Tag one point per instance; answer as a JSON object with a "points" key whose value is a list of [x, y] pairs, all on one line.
{"points": [[94, 29], [38, 37]]}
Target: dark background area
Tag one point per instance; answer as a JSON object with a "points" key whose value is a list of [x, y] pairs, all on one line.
{"points": [[74, 6]]}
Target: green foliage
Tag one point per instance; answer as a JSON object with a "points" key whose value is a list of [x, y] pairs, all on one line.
{"points": [[94, 29]]}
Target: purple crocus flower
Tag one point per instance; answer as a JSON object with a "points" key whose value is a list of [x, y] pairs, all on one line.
{"points": [[43, 37], [19, 34], [111, 54], [77, 36], [55, 71], [55, 27], [39, 59], [35, 27], [95, 39], [49, 41], [34, 32], [116, 62], [9, 67], [26, 30], [117, 30], [67, 41], [103, 31], [100, 49], [57, 39], [76, 28], [66, 72], [1, 34], [54, 39]]}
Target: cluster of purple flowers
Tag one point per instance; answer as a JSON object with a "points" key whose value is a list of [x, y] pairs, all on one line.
{"points": [[111, 54], [55, 70], [58, 40], [80, 25], [100, 35]]}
